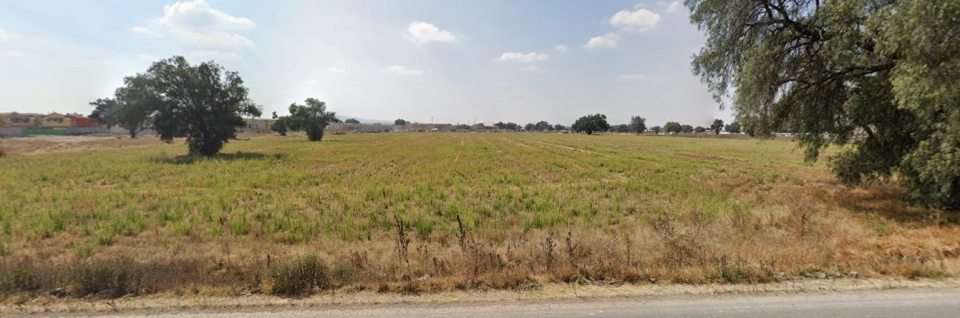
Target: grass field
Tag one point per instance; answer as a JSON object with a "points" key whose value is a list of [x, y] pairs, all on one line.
{"points": [[439, 211]]}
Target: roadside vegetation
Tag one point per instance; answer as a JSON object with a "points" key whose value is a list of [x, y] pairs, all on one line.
{"points": [[414, 213]]}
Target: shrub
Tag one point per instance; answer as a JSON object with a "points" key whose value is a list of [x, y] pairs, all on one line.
{"points": [[105, 278], [19, 278], [300, 276]]}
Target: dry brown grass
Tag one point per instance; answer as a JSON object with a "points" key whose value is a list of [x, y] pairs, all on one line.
{"points": [[790, 222]]}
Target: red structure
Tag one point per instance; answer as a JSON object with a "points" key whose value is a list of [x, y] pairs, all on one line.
{"points": [[83, 122]]}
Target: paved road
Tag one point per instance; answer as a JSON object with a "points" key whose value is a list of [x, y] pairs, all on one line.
{"points": [[894, 303]]}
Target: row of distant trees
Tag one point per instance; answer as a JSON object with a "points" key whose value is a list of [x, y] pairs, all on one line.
{"points": [[638, 125], [204, 103]]}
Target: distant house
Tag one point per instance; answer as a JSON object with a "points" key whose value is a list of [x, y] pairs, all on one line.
{"points": [[257, 125], [82, 122]]}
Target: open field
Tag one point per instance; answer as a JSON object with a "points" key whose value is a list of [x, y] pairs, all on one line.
{"points": [[478, 211]]}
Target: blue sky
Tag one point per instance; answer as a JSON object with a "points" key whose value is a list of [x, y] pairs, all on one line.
{"points": [[455, 61]]}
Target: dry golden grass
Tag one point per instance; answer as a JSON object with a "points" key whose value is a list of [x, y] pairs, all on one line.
{"points": [[476, 211]]}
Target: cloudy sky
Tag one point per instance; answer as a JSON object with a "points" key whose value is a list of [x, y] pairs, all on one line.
{"points": [[454, 61]]}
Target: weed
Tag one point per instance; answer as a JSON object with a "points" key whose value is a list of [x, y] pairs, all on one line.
{"points": [[302, 276]]}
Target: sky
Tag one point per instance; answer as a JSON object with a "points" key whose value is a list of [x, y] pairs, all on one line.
{"points": [[452, 61]]}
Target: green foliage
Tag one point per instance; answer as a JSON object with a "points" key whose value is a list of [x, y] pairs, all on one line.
{"points": [[699, 129], [299, 277], [716, 126], [591, 123], [656, 129], [103, 111], [312, 118], [686, 129], [879, 76], [204, 102], [351, 121], [542, 126], [621, 128], [638, 124], [400, 122], [280, 125], [529, 127], [558, 127], [672, 127], [136, 104], [733, 128]]}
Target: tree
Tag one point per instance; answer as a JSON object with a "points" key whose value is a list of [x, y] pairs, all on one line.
{"points": [[672, 127], [500, 125], [529, 127], [542, 125], [512, 126], [559, 127], [699, 129], [591, 123], [103, 112], [656, 130], [312, 118], [733, 128], [204, 102], [716, 126], [638, 124], [686, 129], [351, 121], [400, 122], [280, 125], [878, 77], [621, 128], [136, 104]]}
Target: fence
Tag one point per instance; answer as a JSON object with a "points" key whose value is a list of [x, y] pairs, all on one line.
{"points": [[11, 132]]}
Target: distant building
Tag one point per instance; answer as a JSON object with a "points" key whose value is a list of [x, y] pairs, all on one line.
{"points": [[257, 126]]}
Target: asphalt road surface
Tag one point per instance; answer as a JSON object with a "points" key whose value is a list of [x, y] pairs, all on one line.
{"points": [[890, 303]]}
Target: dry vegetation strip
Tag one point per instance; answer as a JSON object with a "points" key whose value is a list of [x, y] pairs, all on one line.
{"points": [[430, 212]]}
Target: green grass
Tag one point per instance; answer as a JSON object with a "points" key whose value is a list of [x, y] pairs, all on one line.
{"points": [[292, 191]]}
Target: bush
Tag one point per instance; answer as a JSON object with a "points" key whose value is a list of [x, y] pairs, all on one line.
{"points": [[105, 278], [19, 278], [299, 277]]}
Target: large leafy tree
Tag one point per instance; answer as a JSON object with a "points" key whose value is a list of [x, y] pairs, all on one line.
{"points": [[591, 123], [204, 102], [686, 129], [279, 125], [638, 124], [312, 117], [656, 130], [879, 76], [136, 104]]}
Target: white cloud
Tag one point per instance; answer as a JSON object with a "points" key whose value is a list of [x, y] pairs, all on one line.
{"points": [[4, 35], [631, 77], [335, 70], [215, 55], [609, 40], [142, 30], [14, 54], [402, 70], [423, 32], [529, 68], [195, 23], [640, 20], [670, 7], [523, 57], [560, 48]]}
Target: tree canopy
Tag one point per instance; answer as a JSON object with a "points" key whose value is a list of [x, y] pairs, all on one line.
{"points": [[733, 128], [312, 117], [699, 129], [351, 121], [136, 104], [716, 126], [400, 122], [878, 76], [591, 123], [638, 124], [656, 129], [672, 127], [203, 102]]}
